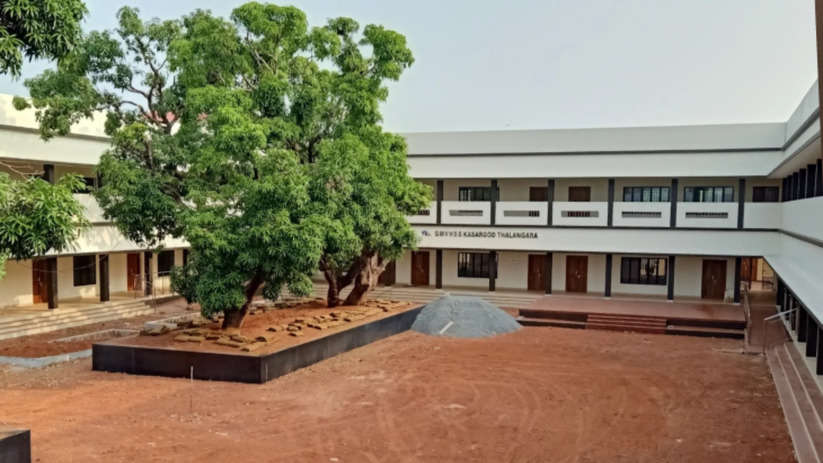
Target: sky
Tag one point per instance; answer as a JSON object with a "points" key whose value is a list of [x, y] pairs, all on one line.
{"points": [[541, 64]]}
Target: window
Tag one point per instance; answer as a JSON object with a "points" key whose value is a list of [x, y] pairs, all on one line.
{"points": [[165, 261], [85, 272], [708, 194], [643, 270], [654, 194], [473, 265], [88, 185], [474, 193], [766, 194]]}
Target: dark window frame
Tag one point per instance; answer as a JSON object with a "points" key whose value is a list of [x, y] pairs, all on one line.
{"points": [[84, 269], [708, 194], [644, 271], [473, 265], [646, 194], [163, 264], [474, 193], [768, 194]]}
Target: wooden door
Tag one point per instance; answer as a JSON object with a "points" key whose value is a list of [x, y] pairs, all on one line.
{"points": [[537, 272], [133, 271], [39, 274], [420, 268], [538, 193], [577, 270], [389, 275], [580, 193], [714, 279]]}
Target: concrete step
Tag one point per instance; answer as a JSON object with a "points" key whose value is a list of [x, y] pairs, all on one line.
{"points": [[102, 316], [79, 317], [627, 320], [526, 321], [705, 331], [57, 316], [23, 317], [626, 327], [801, 401]]}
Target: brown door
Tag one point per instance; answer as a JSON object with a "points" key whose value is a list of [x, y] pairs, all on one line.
{"points": [[387, 278], [577, 269], [39, 290], [538, 193], [580, 193], [537, 272], [420, 268], [133, 271], [714, 279]]}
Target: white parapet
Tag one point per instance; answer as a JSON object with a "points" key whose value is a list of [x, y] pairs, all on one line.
{"points": [[465, 212], [763, 215], [425, 216], [94, 213], [642, 214], [580, 214], [707, 215], [803, 217], [522, 213]]}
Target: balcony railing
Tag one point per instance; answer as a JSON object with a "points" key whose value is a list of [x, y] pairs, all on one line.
{"points": [[707, 215], [581, 214], [424, 216], [763, 215], [521, 213], [640, 214], [466, 212]]}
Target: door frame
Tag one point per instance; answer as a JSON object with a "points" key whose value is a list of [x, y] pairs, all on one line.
{"points": [[708, 263], [414, 281], [584, 281], [135, 277], [39, 273], [541, 266]]}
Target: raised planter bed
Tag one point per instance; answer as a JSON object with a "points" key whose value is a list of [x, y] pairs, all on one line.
{"points": [[126, 355], [15, 445]]}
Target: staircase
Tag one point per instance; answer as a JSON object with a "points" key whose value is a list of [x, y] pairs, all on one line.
{"points": [[617, 322], [14, 326], [801, 400]]}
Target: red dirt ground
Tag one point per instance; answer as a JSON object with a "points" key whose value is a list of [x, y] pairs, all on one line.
{"points": [[537, 395], [258, 324]]}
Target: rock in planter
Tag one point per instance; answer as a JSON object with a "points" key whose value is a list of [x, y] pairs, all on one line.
{"points": [[252, 347], [227, 342]]}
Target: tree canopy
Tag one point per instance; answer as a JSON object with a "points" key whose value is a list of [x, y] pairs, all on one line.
{"points": [[256, 138], [37, 29]]}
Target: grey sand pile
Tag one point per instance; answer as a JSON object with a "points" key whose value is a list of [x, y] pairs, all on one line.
{"points": [[463, 317]]}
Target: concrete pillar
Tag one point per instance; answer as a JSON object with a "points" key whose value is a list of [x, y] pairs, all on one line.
{"points": [[811, 180], [811, 337], [548, 272], [147, 259], [784, 194], [494, 198], [51, 282], [801, 186], [439, 199], [670, 282], [738, 262], [610, 214], [819, 351], [741, 202], [781, 291], [796, 185], [438, 268], [104, 277], [550, 200], [819, 182], [607, 292], [673, 199], [492, 269]]}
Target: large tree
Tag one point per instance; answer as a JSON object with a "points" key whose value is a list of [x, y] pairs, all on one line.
{"points": [[37, 29], [257, 139]]}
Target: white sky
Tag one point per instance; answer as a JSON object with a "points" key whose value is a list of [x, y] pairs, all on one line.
{"points": [[531, 64]]}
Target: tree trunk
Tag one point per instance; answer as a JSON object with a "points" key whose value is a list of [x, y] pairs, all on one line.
{"points": [[366, 279], [333, 294], [235, 318]]}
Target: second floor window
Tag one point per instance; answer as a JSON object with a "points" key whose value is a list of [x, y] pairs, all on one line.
{"points": [[766, 194], [708, 194], [646, 194], [474, 193]]}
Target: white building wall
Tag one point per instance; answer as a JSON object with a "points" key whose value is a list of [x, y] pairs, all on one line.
{"points": [[16, 285], [65, 281]]}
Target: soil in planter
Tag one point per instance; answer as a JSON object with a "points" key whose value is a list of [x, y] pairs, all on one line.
{"points": [[269, 329]]}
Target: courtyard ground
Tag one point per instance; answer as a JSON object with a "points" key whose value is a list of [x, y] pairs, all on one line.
{"points": [[537, 395]]}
